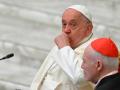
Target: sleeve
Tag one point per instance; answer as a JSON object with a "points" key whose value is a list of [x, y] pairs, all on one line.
{"points": [[68, 60]]}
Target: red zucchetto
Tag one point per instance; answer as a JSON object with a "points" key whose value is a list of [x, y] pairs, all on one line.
{"points": [[105, 46]]}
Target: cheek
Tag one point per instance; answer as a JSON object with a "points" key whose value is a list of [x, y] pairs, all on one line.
{"points": [[79, 33], [89, 72], [92, 75], [86, 69], [75, 34]]}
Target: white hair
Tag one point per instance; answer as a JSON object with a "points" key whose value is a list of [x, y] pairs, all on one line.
{"points": [[109, 62]]}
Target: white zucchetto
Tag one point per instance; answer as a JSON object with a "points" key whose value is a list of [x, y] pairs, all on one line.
{"points": [[82, 9]]}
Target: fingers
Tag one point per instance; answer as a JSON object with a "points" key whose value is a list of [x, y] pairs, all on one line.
{"points": [[62, 40]]}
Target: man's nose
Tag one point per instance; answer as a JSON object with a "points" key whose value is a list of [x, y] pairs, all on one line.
{"points": [[67, 30]]}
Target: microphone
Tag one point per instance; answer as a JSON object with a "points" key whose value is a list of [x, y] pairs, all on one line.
{"points": [[7, 56]]}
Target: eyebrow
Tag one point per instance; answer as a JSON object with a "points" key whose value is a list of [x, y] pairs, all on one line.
{"points": [[72, 20]]}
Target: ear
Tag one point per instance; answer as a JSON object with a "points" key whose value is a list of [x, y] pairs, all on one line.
{"points": [[89, 29], [99, 65]]}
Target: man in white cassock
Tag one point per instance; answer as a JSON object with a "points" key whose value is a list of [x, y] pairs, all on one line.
{"points": [[61, 70]]}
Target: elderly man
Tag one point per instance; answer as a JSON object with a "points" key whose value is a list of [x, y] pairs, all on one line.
{"points": [[100, 64], [61, 69]]}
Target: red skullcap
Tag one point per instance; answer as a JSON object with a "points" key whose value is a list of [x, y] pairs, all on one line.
{"points": [[105, 46]]}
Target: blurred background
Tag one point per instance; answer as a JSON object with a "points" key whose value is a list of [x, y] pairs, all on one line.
{"points": [[28, 27]]}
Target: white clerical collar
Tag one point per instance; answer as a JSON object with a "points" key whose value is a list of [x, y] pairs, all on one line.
{"points": [[111, 73], [86, 39]]}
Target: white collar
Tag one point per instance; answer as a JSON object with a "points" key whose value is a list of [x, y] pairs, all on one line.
{"points": [[111, 73], [86, 39]]}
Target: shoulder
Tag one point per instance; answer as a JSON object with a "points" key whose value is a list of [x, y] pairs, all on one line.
{"points": [[110, 83], [82, 47]]}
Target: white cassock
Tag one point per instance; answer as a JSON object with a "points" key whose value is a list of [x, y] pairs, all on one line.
{"points": [[61, 70]]}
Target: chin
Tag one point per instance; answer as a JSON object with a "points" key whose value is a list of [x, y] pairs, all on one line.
{"points": [[72, 44], [87, 78]]}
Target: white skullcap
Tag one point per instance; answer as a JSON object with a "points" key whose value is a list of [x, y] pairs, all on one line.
{"points": [[82, 9]]}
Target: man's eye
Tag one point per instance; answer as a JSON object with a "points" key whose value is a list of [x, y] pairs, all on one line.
{"points": [[64, 24], [73, 24]]}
